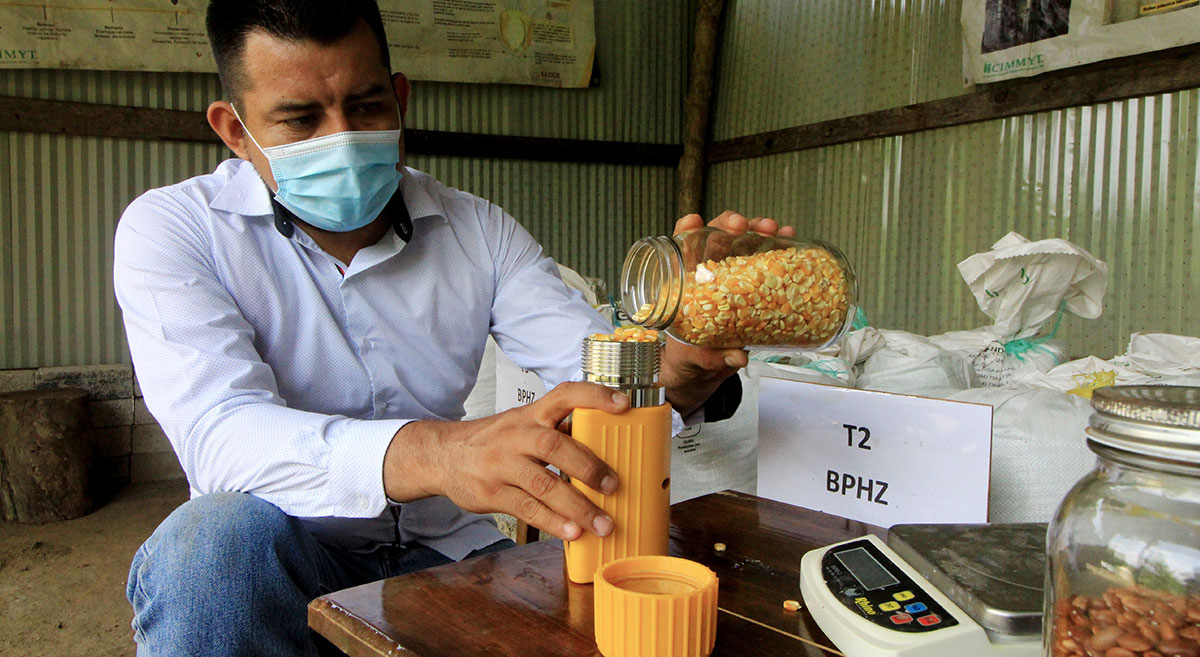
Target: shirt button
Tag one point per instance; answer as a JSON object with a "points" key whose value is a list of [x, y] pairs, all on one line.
{"points": [[362, 502]]}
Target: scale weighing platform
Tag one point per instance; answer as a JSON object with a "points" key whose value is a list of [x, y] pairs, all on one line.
{"points": [[932, 591]]}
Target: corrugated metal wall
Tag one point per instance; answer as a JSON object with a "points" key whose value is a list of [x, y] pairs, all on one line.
{"points": [[60, 197], [586, 215], [1117, 178], [785, 63]]}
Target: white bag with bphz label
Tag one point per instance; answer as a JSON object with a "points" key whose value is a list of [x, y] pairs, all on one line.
{"points": [[502, 384], [515, 386]]}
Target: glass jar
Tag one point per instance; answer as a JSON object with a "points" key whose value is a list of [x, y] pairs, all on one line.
{"points": [[711, 288], [1123, 566]]}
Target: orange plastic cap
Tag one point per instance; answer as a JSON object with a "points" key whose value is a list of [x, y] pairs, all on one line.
{"points": [[653, 606]]}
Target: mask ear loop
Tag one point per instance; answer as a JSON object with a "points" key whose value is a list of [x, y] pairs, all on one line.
{"points": [[248, 133]]}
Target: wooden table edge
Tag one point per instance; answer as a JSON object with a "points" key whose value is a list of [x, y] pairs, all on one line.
{"points": [[326, 617]]}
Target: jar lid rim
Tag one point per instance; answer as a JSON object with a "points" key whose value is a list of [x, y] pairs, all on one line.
{"points": [[1168, 406], [1160, 452]]}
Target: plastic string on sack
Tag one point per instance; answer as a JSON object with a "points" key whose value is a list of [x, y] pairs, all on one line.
{"points": [[860, 319], [616, 312], [829, 366], [1021, 346]]}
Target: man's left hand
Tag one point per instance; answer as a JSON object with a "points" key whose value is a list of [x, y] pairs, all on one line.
{"points": [[691, 374]]}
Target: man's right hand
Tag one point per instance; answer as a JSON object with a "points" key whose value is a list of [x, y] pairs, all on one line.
{"points": [[498, 463]]}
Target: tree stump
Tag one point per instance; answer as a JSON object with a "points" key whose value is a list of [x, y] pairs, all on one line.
{"points": [[44, 455]]}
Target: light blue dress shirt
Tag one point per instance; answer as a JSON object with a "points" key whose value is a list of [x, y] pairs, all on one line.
{"points": [[273, 373]]}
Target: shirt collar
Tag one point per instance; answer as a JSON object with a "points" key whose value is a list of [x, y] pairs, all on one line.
{"points": [[245, 194], [285, 219], [420, 204]]}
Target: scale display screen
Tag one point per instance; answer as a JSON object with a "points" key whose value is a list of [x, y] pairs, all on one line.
{"points": [[866, 569], [863, 580]]}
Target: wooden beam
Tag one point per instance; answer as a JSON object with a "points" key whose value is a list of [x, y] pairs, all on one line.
{"points": [[697, 106], [59, 117], [113, 121], [1128, 77], [460, 144]]}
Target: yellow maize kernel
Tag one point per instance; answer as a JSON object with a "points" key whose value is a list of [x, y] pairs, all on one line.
{"points": [[643, 313], [627, 334], [787, 296]]}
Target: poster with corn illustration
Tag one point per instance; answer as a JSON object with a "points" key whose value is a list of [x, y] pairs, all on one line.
{"points": [[535, 42]]}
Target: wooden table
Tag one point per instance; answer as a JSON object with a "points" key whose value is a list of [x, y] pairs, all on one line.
{"points": [[519, 602]]}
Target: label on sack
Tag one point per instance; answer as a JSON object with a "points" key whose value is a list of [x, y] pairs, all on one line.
{"points": [[875, 457], [515, 386], [991, 367]]}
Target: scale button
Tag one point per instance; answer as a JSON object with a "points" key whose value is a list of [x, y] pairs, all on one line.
{"points": [[931, 619], [900, 619], [890, 606], [912, 608], [904, 595]]}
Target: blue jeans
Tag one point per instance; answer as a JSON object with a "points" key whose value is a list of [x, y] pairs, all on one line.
{"points": [[231, 574]]}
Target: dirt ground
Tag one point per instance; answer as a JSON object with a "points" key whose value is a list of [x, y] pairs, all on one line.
{"points": [[62, 585]]}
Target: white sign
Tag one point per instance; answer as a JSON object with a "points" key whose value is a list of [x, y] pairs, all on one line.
{"points": [[874, 457], [1016, 38]]}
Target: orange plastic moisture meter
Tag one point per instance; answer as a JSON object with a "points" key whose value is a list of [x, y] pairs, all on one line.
{"points": [[636, 444]]}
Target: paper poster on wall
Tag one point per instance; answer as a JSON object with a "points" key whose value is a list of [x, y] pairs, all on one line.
{"points": [[1005, 39], [538, 42]]}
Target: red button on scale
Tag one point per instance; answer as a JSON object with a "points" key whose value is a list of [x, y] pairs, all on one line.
{"points": [[900, 619], [931, 619]]}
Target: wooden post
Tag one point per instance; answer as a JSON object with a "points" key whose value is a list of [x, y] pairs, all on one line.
{"points": [[44, 455], [527, 533], [696, 107]]}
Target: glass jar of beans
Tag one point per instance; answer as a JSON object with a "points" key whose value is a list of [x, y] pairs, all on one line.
{"points": [[1123, 567], [711, 288]]}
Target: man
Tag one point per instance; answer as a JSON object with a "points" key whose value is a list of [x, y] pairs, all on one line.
{"points": [[306, 323]]}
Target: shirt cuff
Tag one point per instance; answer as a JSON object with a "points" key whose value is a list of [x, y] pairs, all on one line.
{"points": [[356, 465], [725, 400]]}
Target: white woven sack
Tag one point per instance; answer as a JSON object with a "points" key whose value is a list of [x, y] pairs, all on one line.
{"points": [[717, 456], [912, 364], [1039, 449]]}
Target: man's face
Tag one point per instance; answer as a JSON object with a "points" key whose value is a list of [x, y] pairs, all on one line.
{"points": [[297, 90]]}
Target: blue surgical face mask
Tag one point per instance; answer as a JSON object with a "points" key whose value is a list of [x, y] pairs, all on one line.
{"points": [[339, 182]]}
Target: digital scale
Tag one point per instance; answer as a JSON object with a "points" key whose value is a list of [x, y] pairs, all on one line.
{"points": [[932, 591]]}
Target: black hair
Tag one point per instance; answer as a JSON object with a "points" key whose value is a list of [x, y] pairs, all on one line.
{"points": [[229, 22]]}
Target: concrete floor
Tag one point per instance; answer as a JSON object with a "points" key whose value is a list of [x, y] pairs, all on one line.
{"points": [[62, 585]]}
